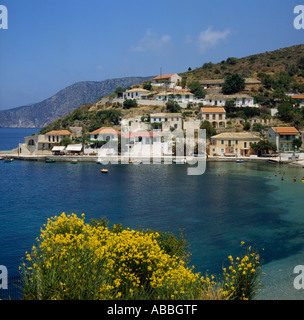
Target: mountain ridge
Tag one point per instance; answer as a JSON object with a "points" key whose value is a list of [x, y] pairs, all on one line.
{"points": [[38, 115]]}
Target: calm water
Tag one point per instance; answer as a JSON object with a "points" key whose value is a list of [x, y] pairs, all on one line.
{"points": [[230, 203]]}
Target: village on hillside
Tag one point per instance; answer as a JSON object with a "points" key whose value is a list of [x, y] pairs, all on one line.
{"points": [[151, 114]]}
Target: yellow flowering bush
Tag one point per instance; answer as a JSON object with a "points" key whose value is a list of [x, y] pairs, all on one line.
{"points": [[75, 260]]}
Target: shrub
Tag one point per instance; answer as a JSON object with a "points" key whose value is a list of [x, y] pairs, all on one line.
{"points": [[73, 260]]}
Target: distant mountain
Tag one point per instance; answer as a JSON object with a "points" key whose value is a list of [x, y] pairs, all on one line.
{"points": [[40, 114]]}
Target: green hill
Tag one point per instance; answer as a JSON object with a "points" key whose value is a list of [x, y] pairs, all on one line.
{"points": [[286, 60]]}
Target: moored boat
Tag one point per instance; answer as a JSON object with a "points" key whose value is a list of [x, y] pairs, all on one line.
{"points": [[49, 160], [104, 170]]}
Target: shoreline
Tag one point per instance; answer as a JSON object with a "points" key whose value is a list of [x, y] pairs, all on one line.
{"points": [[124, 159]]}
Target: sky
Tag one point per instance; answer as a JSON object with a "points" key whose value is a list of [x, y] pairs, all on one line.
{"points": [[51, 44]]}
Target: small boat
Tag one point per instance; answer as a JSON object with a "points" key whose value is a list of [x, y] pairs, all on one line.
{"points": [[303, 179], [8, 159], [179, 161], [74, 161], [1, 158], [132, 161], [49, 160], [239, 161], [104, 170]]}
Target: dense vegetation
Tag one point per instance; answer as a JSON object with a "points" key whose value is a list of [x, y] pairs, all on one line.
{"points": [[75, 260]]}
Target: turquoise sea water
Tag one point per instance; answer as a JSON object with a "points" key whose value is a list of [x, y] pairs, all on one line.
{"points": [[228, 204]]}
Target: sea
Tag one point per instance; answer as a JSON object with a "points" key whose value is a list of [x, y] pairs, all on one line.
{"points": [[231, 202]]}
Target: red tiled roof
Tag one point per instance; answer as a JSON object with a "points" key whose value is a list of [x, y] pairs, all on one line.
{"points": [[297, 96], [58, 133], [106, 130], [285, 130], [214, 110], [165, 76], [140, 134]]}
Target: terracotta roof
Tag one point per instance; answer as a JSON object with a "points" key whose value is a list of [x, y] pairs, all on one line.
{"points": [[106, 130], [236, 135], [285, 130], [165, 115], [297, 96], [165, 76], [140, 134], [58, 133], [214, 110], [137, 90]]}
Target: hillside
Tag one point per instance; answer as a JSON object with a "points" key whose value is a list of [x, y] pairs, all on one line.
{"points": [[285, 59], [64, 102]]}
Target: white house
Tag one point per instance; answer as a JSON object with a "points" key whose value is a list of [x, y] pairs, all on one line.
{"points": [[299, 98], [105, 134], [167, 80], [240, 100], [179, 95], [216, 116], [43, 143], [141, 144], [168, 120], [135, 93]]}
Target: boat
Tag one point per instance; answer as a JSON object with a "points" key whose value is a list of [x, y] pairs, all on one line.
{"points": [[8, 159], [49, 160], [74, 161], [179, 161], [132, 161], [239, 161], [104, 170], [1, 158]]}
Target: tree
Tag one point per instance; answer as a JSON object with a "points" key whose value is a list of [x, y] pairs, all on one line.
{"points": [[263, 146], [285, 111], [65, 141], [210, 130], [196, 88], [129, 103], [233, 84], [246, 126], [147, 85], [297, 143], [232, 61], [119, 91], [173, 106]]}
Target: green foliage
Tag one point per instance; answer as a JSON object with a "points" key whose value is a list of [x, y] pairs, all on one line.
{"points": [[173, 106], [258, 127], [130, 103], [210, 130], [232, 61], [297, 143], [233, 84], [196, 88], [285, 111], [264, 146], [119, 91], [65, 141], [246, 126]]}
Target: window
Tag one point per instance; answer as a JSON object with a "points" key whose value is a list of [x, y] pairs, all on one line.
{"points": [[245, 144], [229, 143], [213, 117], [236, 141], [207, 116], [222, 142], [220, 116]]}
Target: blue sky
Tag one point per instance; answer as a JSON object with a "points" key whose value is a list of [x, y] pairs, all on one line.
{"points": [[50, 44]]}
